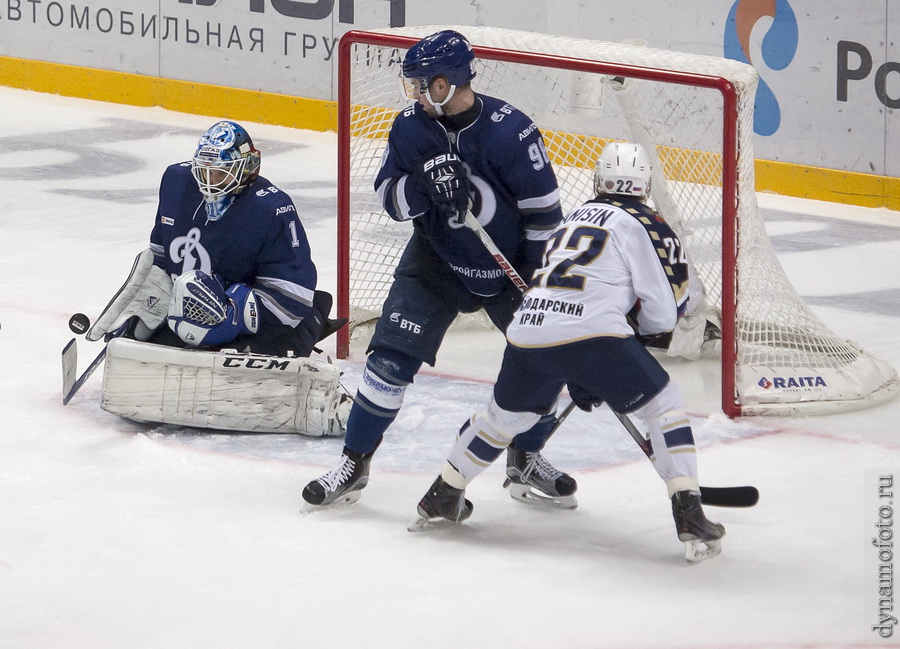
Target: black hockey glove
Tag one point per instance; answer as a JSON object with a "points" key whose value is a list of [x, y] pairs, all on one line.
{"points": [[583, 398], [656, 341], [501, 307], [444, 177]]}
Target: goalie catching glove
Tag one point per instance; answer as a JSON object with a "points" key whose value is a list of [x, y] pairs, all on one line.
{"points": [[445, 180], [202, 312]]}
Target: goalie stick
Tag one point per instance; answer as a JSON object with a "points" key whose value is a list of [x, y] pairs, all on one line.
{"points": [[713, 496], [71, 385]]}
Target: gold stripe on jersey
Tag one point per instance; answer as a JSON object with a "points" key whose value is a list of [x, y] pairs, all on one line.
{"points": [[567, 342]]}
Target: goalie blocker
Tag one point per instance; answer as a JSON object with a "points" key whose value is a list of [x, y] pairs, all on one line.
{"points": [[223, 390]]}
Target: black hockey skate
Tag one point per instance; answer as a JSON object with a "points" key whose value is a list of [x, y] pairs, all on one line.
{"points": [[702, 538], [343, 483], [442, 503], [533, 480]]}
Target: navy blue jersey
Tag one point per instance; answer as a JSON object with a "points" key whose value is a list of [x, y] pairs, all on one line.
{"points": [[259, 241], [516, 197]]}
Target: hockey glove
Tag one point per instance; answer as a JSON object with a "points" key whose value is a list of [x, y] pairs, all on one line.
{"points": [[656, 341], [583, 398], [139, 308], [444, 178], [659, 340], [501, 307], [202, 312]]}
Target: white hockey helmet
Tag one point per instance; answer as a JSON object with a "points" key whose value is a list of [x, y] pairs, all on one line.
{"points": [[623, 168]]}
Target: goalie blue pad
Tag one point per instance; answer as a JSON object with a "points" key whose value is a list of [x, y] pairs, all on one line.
{"points": [[203, 313]]}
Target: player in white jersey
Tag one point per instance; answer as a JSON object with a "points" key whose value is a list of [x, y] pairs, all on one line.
{"points": [[610, 261]]}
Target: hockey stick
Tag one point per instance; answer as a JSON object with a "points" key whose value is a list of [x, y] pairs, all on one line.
{"points": [[70, 363], [69, 367], [713, 496]]}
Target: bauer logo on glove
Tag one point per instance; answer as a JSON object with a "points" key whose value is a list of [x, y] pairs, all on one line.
{"points": [[203, 313], [447, 184]]}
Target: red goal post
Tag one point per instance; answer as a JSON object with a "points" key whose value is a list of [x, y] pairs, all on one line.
{"points": [[694, 116]]}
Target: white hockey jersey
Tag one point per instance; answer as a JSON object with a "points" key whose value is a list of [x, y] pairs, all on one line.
{"points": [[605, 258]]}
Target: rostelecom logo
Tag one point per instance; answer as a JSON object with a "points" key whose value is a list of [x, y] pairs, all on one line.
{"points": [[778, 48]]}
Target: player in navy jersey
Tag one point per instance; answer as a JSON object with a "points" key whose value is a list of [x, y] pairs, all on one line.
{"points": [[612, 260], [451, 152], [230, 262]]}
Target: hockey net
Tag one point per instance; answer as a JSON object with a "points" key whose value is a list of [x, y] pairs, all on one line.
{"points": [[694, 115]]}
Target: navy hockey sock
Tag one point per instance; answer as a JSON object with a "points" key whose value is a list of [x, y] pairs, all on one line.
{"points": [[365, 429], [533, 439], [379, 398]]}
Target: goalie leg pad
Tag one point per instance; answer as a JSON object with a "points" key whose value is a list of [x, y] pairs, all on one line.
{"points": [[223, 390]]}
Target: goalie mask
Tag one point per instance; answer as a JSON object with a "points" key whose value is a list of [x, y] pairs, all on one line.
{"points": [[446, 53], [224, 163], [624, 169]]}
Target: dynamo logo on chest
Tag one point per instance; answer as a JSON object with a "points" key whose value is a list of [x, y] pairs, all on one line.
{"points": [[190, 253]]}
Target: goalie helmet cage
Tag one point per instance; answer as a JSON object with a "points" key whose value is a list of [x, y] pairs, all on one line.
{"points": [[694, 115]]}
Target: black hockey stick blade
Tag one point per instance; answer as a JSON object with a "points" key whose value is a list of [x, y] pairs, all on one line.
{"points": [[69, 363], [729, 496], [712, 496]]}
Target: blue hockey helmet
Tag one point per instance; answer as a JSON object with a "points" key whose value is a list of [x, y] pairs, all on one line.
{"points": [[446, 53], [225, 160]]}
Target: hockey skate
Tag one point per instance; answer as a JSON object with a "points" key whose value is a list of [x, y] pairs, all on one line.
{"points": [[441, 504], [343, 483], [533, 480], [702, 538]]}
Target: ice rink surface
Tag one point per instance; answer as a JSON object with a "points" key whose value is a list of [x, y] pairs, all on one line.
{"points": [[117, 534]]}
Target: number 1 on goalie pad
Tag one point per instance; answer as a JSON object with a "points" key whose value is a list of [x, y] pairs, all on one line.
{"points": [[223, 390]]}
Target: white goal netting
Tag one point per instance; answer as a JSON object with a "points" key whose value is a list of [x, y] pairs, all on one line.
{"points": [[694, 115]]}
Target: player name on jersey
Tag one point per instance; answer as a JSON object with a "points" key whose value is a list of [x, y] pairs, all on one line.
{"points": [[590, 214]]}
